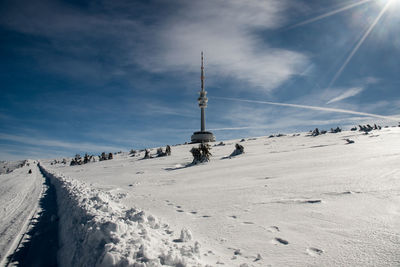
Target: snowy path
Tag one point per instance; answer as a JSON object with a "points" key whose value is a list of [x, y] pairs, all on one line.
{"points": [[19, 195], [39, 246], [288, 201]]}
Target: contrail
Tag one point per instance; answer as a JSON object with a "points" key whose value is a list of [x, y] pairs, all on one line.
{"points": [[240, 128], [331, 13], [337, 110], [371, 27]]}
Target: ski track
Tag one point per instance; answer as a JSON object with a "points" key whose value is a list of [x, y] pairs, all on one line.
{"points": [[19, 194]]}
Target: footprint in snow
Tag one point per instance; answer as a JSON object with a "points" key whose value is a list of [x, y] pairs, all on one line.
{"points": [[237, 252], [278, 240], [169, 232], [248, 223], [180, 210], [233, 217], [312, 201], [178, 207], [273, 229], [314, 251], [206, 216], [193, 212]]}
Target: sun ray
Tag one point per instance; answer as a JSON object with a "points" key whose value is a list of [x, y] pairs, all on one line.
{"points": [[328, 14], [360, 42]]}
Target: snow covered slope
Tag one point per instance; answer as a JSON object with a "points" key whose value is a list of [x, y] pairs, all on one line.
{"points": [[288, 201], [9, 166], [19, 198]]}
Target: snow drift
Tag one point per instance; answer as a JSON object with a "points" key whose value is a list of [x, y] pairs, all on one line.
{"points": [[97, 230]]}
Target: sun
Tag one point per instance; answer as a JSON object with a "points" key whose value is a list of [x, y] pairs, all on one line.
{"points": [[391, 3]]}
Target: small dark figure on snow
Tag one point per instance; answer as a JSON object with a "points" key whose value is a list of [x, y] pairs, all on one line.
{"points": [[160, 152], [103, 156], [147, 154], [110, 156], [337, 130], [30, 171], [168, 150], [239, 149], [77, 160], [201, 153], [86, 158], [315, 132], [349, 141]]}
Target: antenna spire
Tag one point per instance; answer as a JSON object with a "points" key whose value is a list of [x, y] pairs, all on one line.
{"points": [[202, 71]]}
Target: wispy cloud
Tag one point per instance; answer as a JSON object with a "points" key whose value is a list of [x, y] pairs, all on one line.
{"points": [[39, 141], [225, 30], [346, 94]]}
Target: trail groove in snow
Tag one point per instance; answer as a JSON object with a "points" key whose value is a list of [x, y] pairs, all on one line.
{"points": [[19, 196], [40, 243]]}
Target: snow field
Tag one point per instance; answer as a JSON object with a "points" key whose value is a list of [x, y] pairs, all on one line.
{"points": [[97, 230], [293, 200]]}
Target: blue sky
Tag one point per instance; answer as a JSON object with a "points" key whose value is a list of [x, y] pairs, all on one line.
{"points": [[93, 76]]}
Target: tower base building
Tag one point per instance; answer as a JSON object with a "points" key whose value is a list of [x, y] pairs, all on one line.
{"points": [[202, 137]]}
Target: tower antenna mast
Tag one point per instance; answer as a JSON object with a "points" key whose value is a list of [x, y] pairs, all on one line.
{"points": [[202, 136]]}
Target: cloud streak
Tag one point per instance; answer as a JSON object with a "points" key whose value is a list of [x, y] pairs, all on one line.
{"points": [[349, 93], [85, 146], [325, 109]]}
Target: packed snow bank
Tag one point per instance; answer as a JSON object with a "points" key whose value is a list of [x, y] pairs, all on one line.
{"points": [[97, 230]]}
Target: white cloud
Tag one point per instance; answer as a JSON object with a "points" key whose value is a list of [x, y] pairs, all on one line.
{"points": [[346, 94], [224, 30]]}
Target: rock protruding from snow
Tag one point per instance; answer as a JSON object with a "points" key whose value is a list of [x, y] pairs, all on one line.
{"points": [[96, 230], [239, 149]]}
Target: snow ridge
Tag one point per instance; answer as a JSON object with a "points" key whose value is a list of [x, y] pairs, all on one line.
{"points": [[97, 230]]}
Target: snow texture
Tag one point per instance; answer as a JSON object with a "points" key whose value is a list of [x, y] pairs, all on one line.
{"points": [[19, 198], [97, 230], [295, 200]]}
